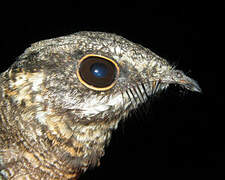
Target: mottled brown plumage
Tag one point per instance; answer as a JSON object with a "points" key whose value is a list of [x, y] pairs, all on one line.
{"points": [[54, 125]]}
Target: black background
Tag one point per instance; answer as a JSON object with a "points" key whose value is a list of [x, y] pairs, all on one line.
{"points": [[183, 136]]}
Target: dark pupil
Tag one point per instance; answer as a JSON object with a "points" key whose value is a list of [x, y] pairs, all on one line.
{"points": [[97, 71]]}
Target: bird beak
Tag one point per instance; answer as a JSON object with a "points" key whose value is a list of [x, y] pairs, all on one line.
{"points": [[180, 78], [190, 84]]}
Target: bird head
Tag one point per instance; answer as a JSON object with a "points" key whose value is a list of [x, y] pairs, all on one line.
{"points": [[95, 74]]}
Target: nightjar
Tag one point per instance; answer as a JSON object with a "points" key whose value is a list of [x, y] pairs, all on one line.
{"points": [[63, 97]]}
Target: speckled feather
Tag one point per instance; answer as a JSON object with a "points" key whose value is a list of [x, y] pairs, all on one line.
{"points": [[54, 127]]}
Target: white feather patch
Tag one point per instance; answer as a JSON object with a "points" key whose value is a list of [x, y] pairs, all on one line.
{"points": [[97, 105]]}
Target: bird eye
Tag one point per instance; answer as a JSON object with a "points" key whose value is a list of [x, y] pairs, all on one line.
{"points": [[97, 72]]}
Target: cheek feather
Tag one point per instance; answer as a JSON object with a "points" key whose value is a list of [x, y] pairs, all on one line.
{"points": [[94, 105]]}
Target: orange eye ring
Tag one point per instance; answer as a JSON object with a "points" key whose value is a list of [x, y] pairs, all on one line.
{"points": [[89, 80]]}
